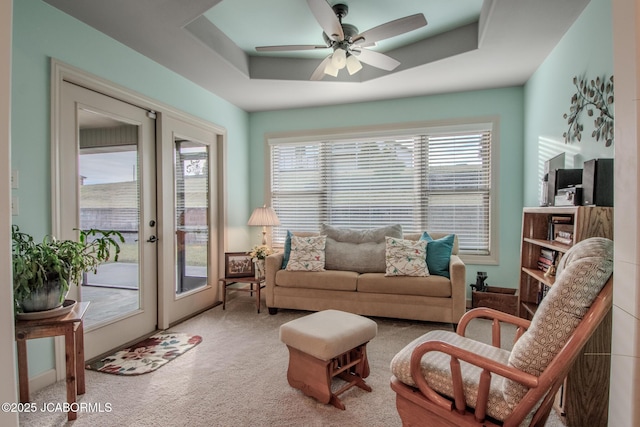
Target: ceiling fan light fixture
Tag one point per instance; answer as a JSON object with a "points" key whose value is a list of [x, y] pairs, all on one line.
{"points": [[330, 69], [339, 59], [353, 65]]}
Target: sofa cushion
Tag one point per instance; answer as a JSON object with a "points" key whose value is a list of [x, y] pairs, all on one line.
{"points": [[438, 254], [362, 251], [430, 286], [307, 253], [406, 257], [327, 280]]}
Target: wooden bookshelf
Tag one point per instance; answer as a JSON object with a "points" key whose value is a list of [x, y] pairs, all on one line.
{"points": [[584, 398]]}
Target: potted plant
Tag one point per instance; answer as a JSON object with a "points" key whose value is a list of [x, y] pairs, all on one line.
{"points": [[43, 271]]}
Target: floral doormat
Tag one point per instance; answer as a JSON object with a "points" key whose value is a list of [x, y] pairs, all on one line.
{"points": [[147, 355]]}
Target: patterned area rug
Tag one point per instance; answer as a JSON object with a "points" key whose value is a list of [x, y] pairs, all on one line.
{"points": [[147, 355]]}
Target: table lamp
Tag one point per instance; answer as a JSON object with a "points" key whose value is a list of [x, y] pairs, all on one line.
{"points": [[264, 216]]}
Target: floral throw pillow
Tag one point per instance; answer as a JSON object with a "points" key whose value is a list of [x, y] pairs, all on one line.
{"points": [[406, 257], [307, 253]]}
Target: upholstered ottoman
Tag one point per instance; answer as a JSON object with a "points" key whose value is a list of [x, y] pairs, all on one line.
{"points": [[325, 345]]}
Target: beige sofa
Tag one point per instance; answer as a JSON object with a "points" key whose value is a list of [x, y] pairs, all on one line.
{"points": [[432, 298]]}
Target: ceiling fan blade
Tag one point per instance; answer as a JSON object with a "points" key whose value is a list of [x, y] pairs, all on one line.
{"points": [[392, 29], [318, 73], [290, 47], [327, 19], [377, 59]]}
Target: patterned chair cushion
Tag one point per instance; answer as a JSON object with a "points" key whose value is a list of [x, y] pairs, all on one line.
{"points": [[582, 273], [435, 367]]}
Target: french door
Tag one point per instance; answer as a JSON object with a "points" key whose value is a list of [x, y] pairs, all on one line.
{"points": [[107, 180], [155, 177], [190, 234]]}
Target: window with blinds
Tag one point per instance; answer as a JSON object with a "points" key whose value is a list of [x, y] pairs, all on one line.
{"points": [[438, 181]]}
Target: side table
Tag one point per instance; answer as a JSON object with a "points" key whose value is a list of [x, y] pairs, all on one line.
{"points": [[69, 325], [251, 280]]}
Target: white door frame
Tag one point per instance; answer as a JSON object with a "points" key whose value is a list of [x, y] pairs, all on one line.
{"points": [[63, 72], [8, 390]]}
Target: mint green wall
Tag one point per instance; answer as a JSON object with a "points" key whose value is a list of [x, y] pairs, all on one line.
{"points": [[507, 103], [40, 32], [585, 50]]}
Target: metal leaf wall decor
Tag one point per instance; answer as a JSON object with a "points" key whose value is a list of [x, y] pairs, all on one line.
{"points": [[596, 97]]}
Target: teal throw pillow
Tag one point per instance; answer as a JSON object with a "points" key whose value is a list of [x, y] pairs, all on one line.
{"points": [[438, 254], [287, 250]]}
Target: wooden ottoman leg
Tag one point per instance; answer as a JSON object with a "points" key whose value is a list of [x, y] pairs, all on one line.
{"points": [[313, 376], [309, 375], [352, 367], [362, 369]]}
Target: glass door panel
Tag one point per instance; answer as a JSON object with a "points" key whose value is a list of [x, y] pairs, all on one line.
{"points": [[110, 200], [106, 172], [192, 214]]}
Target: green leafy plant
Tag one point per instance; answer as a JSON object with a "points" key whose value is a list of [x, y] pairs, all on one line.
{"points": [[596, 97], [35, 264]]}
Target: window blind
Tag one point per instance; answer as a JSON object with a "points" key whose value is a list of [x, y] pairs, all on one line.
{"points": [[439, 182]]}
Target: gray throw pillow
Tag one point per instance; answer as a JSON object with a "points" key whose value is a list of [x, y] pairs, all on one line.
{"points": [[362, 251]]}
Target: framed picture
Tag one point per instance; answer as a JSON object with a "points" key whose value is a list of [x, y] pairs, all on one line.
{"points": [[238, 264]]}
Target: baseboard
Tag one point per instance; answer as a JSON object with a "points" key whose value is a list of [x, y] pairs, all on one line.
{"points": [[42, 380]]}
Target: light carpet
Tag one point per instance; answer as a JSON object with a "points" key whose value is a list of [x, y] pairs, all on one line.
{"points": [[237, 377]]}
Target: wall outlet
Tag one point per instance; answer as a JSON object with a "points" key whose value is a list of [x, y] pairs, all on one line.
{"points": [[14, 178], [15, 209]]}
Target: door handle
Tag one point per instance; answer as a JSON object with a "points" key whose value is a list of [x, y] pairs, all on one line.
{"points": [[152, 239]]}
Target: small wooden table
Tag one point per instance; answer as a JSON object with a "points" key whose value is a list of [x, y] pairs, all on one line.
{"points": [[69, 325], [251, 280]]}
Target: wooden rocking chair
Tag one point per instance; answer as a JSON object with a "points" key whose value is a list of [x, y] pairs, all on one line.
{"points": [[446, 379]]}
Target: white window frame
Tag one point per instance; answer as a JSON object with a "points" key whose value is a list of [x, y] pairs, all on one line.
{"points": [[426, 127]]}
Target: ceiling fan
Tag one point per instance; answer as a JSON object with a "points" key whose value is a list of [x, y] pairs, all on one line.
{"points": [[349, 46]]}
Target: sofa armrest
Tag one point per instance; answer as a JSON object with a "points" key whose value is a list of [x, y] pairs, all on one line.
{"points": [[458, 273], [272, 265]]}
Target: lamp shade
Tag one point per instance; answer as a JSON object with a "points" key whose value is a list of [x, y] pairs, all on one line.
{"points": [[264, 216], [353, 65], [330, 69], [339, 59]]}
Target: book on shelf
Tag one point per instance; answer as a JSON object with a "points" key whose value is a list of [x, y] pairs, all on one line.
{"points": [[543, 267], [562, 219], [546, 259], [565, 237], [549, 254], [542, 292], [559, 223]]}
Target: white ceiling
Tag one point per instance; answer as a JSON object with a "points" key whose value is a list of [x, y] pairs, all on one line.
{"points": [[467, 45]]}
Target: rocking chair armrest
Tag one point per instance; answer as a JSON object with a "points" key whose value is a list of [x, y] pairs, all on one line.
{"points": [[496, 317], [489, 366]]}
